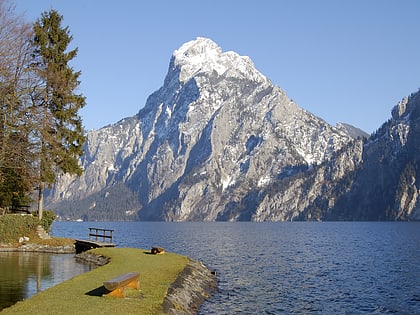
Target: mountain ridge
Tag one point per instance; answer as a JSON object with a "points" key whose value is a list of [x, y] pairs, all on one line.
{"points": [[212, 143]]}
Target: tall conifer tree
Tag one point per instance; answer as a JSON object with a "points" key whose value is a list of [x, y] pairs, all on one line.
{"points": [[59, 132]]}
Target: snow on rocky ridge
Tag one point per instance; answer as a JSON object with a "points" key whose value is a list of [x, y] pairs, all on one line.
{"points": [[211, 137]]}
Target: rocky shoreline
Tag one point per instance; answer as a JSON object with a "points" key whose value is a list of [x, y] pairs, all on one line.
{"points": [[37, 248], [193, 285]]}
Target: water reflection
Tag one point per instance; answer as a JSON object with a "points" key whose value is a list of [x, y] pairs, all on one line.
{"points": [[23, 274]]}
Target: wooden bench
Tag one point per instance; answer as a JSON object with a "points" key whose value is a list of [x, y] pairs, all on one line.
{"points": [[157, 250], [19, 209], [117, 285]]}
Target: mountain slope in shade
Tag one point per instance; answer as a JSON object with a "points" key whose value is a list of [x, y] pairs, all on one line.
{"points": [[373, 179]]}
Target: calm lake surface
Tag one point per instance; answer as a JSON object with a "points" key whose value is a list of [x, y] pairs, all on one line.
{"points": [[286, 268], [25, 274]]}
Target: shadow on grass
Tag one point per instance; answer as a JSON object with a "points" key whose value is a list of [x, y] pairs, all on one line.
{"points": [[98, 291], [129, 293]]}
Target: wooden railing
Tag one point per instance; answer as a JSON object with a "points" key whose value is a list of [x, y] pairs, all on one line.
{"points": [[103, 235], [19, 209]]}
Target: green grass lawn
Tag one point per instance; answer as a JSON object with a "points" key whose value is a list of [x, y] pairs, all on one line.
{"points": [[83, 294]]}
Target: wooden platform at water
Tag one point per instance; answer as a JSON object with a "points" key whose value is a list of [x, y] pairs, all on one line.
{"points": [[94, 234]]}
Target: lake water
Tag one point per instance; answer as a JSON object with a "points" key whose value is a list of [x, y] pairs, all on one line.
{"points": [[25, 274], [286, 268]]}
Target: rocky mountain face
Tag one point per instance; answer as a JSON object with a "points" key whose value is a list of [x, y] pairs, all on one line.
{"points": [[219, 141], [386, 185]]}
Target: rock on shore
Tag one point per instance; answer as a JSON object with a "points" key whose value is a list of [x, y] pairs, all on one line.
{"points": [[97, 260]]}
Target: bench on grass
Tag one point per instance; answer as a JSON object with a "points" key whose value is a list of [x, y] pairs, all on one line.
{"points": [[117, 285]]}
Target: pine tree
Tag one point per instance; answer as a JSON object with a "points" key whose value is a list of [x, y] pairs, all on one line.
{"points": [[59, 129]]}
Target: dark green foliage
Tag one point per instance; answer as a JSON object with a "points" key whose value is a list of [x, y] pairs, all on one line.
{"points": [[47, 220], [14, 188], [61, 133], [59, 128]]}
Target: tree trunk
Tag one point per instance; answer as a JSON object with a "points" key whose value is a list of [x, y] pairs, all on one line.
{"points": [[40, 199]]}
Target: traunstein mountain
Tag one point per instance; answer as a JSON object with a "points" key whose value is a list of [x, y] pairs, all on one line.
{"points": [[218, 141]]}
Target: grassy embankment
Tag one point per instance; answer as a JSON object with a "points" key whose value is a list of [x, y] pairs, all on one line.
{"points": [[83, 294], [13, 227]]}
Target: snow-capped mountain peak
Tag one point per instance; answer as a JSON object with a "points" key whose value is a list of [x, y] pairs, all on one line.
{"points": [[204, 55], [214, 134]]}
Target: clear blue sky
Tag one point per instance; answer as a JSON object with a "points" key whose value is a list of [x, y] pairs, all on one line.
{"points": [[344, 61]]}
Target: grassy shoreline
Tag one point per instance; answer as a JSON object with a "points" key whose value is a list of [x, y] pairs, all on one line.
{"points": [[169, 283], [83, 293]]}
